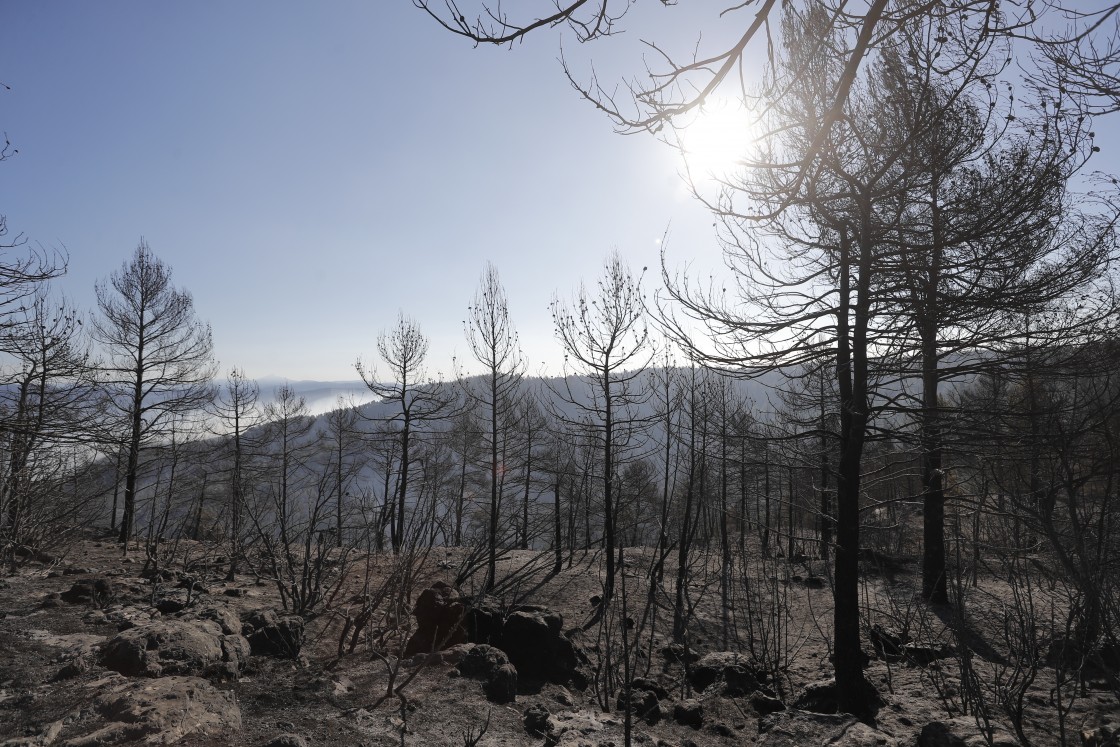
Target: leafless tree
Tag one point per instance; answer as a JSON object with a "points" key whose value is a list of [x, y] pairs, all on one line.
{"points": [[493, 343], [1080, 44], [345, 461], [159, 357], [48, 403], [606, 343], [417, 401], [238, 411]]}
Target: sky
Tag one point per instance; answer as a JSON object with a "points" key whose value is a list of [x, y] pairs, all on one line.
{"points": [[310, 170]]}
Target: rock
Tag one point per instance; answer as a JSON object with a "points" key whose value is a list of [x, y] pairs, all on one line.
{"points": [[219, 613], [76, 667], [455, 654], [647, 683], [800, 728], [479, 660], [492, 666], [533, 640], [535, 719], [484, 621], [176, 647], [501, 686], [273, 634], [819, 697], [439, 615], [99, 592], [286, 740], [1102, 736], [923, 655], [689, 713], [170, 605], [163, 710], [765, 703], [721, 729], [962, 731], [678, 653], [642, 704], [581, 728], [938, 734], [887, 643], [532, 636], [564, 697], [235, 651], [736, 671]]}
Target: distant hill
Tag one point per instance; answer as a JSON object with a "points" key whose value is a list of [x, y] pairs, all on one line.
{"points": [[321, 396]]}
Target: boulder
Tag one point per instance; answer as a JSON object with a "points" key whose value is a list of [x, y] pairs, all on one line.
{"points": [[170, 604], [765, 703], [271, 633], [100, 592], [642, 704], [738, 674], [938, 734], [963, 731], [800, 728], [76, 667], [535, 720], [176, 647], [1102, 736], [689, 713], [219, 613], [648, 683], [678, 653], [501, 685], [485, 619], [439, 615], [533, 638], [819, 697], [163, 711], [492, 666]]}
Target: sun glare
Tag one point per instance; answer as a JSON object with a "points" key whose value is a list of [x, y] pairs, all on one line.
{"points": [[717, 138]]}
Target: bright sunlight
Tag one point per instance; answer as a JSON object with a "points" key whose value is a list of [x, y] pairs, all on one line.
{"points": [[717, 138]]}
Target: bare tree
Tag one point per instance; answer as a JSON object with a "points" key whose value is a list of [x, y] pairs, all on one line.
{"points": [[606, 343], [288, 424], [23, 268], [159, 357], [493, 343], [417, 401], [534, 428], [238, 411], [1079, 43], [345, 462], [463, 440], [47, 404]]}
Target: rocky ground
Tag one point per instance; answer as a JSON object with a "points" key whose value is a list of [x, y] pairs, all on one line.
{"points": [[94, 653]]}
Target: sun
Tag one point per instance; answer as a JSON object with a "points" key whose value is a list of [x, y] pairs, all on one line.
{"points": [[717, 138]]}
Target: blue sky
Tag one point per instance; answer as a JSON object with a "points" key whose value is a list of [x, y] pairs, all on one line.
{"points": [[309, 169]]}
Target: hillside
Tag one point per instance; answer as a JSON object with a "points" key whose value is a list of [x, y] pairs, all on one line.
{"points": [[61, 646]]}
